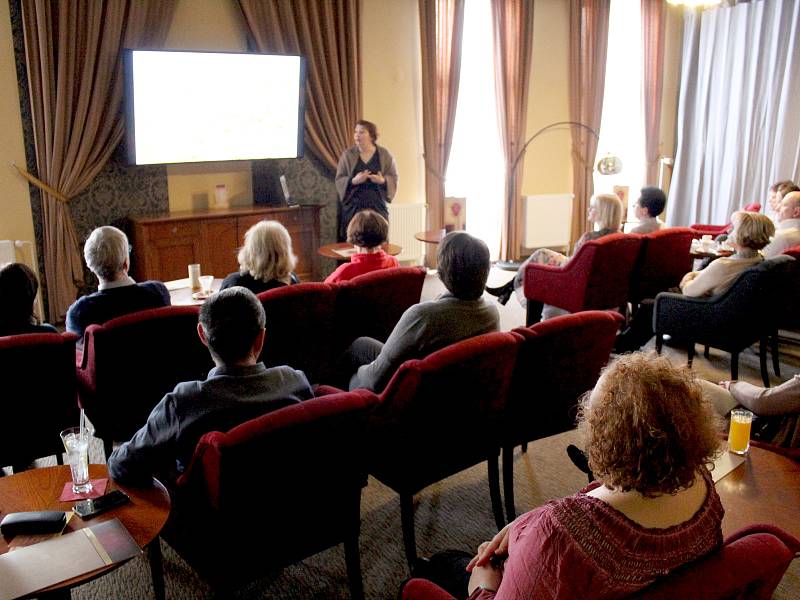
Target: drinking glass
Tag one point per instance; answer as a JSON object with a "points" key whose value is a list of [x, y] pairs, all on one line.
{"points": [[739, 434], [207, 283], [194, 277], [77, 447]]}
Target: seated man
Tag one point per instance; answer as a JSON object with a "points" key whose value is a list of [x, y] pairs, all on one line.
{"points": [[429, 326], [787, 233], [648, 207], [107, 256], [231, 325]]}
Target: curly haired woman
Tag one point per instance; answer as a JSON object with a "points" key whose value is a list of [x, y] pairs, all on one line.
{"points": [[649, 436]]}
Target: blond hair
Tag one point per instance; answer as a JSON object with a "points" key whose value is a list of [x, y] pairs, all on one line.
{"points": [[608, 211], [267, 252], [752, 230]]}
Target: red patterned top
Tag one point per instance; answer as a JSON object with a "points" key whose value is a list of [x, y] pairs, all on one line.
{"points": [[582, 547], [362, 263]]}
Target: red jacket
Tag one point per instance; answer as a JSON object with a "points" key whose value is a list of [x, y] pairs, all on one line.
{"points": [[362, 263]]}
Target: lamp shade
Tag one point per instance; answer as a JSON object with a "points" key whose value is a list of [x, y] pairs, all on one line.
{"points": [[609, 165]]}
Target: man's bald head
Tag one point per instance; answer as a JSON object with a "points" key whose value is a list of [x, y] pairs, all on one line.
{"points": [[790, 207]]}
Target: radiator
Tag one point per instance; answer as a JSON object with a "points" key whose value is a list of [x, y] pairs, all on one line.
{"points": [[23, 252], [548, 220], [404, 221]]}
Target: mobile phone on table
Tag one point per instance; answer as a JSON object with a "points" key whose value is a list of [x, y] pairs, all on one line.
{"points": [[86, 509]]}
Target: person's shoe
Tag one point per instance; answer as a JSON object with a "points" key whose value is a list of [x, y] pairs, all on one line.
{"points": [[503, 292], [579, 459]]}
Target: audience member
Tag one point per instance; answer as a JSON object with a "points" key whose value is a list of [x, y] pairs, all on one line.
{"points": [[787, 233], [751, 232], [460, 313], [778, 190], [239, 388], [266, 260], [367, 231], [107, 254], [777, 408], [650, 435], [605, 214], [18, 287], [650, 204]]}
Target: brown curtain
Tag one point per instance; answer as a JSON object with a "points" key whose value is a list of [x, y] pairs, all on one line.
{"points": [[72, 50], [653, 27], [328, 35], [441, 26], [512, 22], [588, 32]]}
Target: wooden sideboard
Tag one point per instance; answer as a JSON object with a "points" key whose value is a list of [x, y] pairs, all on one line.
{"points": [[163, 245]]}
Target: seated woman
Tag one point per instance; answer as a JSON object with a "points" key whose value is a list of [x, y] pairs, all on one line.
{"points": [[107, 255], [367, 231], [266, 260], [777, 408], [605, 214], [649, 435], [751, 232], [18, 287]]}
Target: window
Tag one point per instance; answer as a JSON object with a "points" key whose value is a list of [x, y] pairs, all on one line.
{"points": [[476, 169], [622, 125]]}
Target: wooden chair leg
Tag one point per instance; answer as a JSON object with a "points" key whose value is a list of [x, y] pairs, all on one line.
{"points": [[524, 447], [494, 488], [533, 314], [706, 351], [690, 354], [734, 365], [659, 342], [762, 359], [153, 551], [508, 482], [407, 523], [352, 558], [776, 354]]}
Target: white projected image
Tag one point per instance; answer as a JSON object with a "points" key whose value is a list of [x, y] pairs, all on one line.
{"points": [[195, 107]]}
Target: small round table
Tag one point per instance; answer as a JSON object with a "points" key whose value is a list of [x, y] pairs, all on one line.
{"points": [[432, 236], [144, 516], [765, 489], [330, 250]]}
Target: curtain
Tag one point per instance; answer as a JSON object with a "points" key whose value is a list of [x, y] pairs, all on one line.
{"points": [[653, 27], [441, 24], [512, 22], [588, 33], [327, 34], [738, 121], [72, 50]]}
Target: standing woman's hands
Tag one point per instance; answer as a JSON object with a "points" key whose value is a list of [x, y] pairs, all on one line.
{"points": [[361, 177], [377, 178]]}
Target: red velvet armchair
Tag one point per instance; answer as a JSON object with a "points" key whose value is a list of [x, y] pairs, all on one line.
{"points": [[558, 361], [131, 362], [301, 328], [39, 396], [663, 261], [372, 304], [596, 278], [440, 415], [714, 230], [749, 566], [288, 482]]}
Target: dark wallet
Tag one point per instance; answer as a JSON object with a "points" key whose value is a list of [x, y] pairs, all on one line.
{"points": [[42, 521]]}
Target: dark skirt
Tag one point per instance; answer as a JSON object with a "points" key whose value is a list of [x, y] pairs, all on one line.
{"points": [[359, 198]]}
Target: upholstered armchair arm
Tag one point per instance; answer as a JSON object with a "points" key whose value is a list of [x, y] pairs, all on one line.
{"points": [[422, 589], [676, 313], [558, 286]]}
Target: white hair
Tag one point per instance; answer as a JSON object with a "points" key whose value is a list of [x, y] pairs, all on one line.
{"points": [[106, 251]]}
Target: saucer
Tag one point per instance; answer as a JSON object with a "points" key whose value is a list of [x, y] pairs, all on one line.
{"points": [[202, 295]]}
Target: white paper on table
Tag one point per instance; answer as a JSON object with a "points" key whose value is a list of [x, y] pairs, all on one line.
{"points": [[725, 463], [177, 284]]}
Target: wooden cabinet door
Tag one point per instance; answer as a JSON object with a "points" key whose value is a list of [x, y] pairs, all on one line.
{"points": [[172, 247], [221, 242]]}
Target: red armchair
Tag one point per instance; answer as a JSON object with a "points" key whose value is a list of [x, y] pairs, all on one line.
{"points": [[596, 278], [289, 481], [301, 328], [372, 304], [663, 261], [440, 415], [39, 393], [558, 361], [700, 229], [749, 566], [131, 362]]}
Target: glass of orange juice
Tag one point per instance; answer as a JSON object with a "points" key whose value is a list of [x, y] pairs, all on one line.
{"points": [[739, 435]]}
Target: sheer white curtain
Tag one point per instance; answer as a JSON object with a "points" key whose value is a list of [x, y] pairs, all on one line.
{"points": [[738, 115]]}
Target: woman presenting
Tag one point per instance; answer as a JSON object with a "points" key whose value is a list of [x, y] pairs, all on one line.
{"points": [[366, 176]]}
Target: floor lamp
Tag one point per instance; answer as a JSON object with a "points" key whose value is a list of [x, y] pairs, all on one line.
{"points": [[608, 165]]}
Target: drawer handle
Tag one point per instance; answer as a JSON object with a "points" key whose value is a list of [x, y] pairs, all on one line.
{"points": [[174, 230]]}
